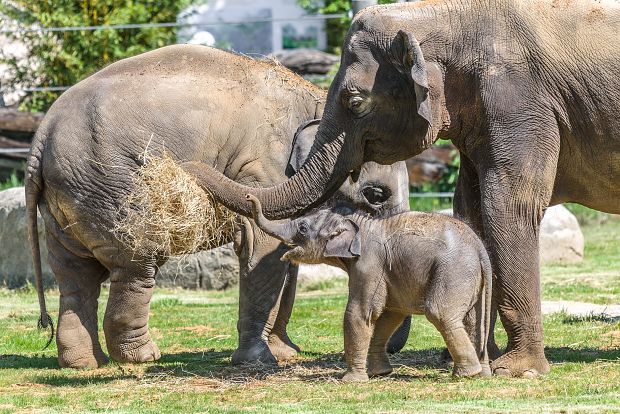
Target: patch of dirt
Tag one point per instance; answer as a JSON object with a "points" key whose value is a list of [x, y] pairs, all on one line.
{"points": [[580, 308]]}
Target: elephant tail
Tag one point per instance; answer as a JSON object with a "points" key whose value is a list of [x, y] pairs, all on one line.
{"points": [[34, 187], [487, 279]]}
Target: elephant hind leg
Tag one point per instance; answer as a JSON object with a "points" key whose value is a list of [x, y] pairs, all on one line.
{"points": [[127, 313], [475, 325], [79, 281]]}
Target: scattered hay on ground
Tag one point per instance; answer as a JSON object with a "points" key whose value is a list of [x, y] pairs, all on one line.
{"points": [[168, 214]]}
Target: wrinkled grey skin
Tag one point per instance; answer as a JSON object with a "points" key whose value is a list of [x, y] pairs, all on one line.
{"points": [[528, 91], [408, 263], [201, 104]]}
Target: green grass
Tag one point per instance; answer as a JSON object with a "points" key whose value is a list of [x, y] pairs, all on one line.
{"points": [[196, 333], [12, 181], [597, 278]]}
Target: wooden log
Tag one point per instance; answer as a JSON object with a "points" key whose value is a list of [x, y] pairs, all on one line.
{"points": [[14, 120]]}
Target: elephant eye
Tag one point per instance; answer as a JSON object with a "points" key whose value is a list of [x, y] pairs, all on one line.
{"points": [[355, 102]]}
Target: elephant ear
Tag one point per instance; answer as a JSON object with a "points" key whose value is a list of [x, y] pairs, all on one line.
{"points": [[412, 60], [302, 144], [345, 242]]}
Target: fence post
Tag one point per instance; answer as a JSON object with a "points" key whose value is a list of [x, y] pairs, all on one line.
{"points": [[358, 5]]}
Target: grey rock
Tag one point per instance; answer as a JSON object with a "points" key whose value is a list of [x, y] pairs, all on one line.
{"points": [[307, 61], [16, 269], [212, 269], [310, 274], [561, 239]]}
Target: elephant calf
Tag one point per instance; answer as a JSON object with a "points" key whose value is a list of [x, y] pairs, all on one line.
{"points": [[408, 263]]}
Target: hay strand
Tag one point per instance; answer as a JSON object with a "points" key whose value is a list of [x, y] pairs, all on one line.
{"points": [[168, 214]]}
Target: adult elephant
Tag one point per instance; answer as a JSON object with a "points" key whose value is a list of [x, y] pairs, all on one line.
{"points": [[225, 110], [529, 93]]}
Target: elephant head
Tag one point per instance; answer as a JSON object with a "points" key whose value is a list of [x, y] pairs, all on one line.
{"points": [[315, 238], [377, 189], [385, 104]]}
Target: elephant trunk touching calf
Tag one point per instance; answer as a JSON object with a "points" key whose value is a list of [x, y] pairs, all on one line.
{"points": [[242, 125], [527, 90]]}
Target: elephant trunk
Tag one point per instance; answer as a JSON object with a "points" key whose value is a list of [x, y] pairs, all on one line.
{"points": [[317, 180], [280, 229]]}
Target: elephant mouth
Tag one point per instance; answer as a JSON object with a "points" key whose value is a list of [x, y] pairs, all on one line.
{"points": [[294, 256]]}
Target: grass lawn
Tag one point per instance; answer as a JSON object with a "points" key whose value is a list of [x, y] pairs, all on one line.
{"points": [[196, 333]]}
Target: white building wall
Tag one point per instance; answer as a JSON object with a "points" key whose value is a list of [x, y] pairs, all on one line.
{"points": [[251, 38]]}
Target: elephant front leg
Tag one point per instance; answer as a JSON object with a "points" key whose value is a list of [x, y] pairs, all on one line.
{"points": [[281, 346], [467, 207], [127, 314], [357, 335], [386, 325], [513, 205], [261, 286]]}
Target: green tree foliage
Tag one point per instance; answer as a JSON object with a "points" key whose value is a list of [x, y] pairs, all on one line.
{"points": [[64, 58], [336, 28]]}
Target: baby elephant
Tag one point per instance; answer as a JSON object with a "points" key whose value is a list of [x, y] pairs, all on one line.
{"points": [[410, 263]]}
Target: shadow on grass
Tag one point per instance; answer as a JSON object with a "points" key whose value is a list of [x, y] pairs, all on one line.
{"points": [[11, 361], [215, 365], [565, 354]]}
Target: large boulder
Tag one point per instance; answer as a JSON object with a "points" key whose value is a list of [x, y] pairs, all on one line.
{"points": [[16, 269], [561, 239], [213, 269], [306, 61], [312, 274]]}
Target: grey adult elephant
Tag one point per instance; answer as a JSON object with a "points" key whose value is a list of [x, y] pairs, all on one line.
{"points": [[225, 110], [527, 90]]}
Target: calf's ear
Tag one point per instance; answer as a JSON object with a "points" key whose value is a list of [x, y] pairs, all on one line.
{"points": [[345, 242], [410, 60]]}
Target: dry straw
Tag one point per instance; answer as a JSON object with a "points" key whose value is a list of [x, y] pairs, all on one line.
{"points": [[168, 214]]}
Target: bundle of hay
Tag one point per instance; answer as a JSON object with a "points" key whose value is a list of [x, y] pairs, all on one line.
{"points": [[168, 214]]}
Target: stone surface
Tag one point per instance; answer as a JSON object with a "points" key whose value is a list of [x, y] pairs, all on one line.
{"points": [[307, 61], [310, 274], [561, 239], [16, 268], [212, 269]]}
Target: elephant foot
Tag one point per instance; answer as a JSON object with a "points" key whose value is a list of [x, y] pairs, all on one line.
{"points": [[131, 352], [257, 352], [354, 376], [282, 349], [467, 370], [79, 359], [486, 370], [521, 363], [379, 366]]}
